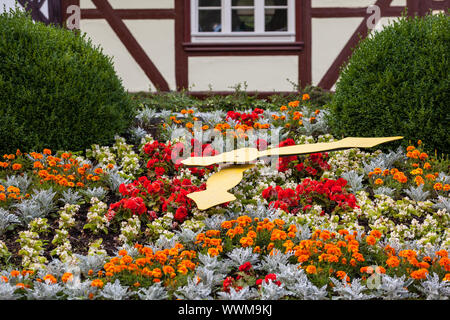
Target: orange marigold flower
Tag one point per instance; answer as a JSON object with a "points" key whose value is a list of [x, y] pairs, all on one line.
{"points": [[438, 186], [341, 274], [371, 240], [380, 269], [213, 252], [379, 181], [393, 261], [16, 166], [67, 277], [423, 156], [294, 104], [376, 233], [419, 274], [47, 151], [168, 270], [419, 180], [447, 277], [358, 256], [157, 273], [311, 269], [97, 283], [50, 278], [15, 273], [21, 285], [305, 97]]}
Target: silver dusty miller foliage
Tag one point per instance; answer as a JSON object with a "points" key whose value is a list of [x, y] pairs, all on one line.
{"points": [[7, 219], [115, 291], [354, 180], [355, 291], [433, 289], [154, 292], [194, 290], [70, 196], [239, 256], [417, 193]]}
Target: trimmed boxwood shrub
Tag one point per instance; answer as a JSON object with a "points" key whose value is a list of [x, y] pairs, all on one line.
{"points": [[397, 82], [56, 89]]}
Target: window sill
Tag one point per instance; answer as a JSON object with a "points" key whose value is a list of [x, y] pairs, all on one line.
{"points": [[243, 47]]}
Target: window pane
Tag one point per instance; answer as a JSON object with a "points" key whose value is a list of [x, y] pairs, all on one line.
{"points": [[276, 20], [210, 3], [242, 3], [276, 2], [209, 20], [242, 20]]}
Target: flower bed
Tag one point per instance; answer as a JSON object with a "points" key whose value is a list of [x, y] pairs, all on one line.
{"points": [[117, 222]]}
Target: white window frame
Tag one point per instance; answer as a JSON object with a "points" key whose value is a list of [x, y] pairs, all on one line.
{"points": [[259, 35]]}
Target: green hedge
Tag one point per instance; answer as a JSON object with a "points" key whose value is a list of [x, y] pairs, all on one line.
{"points": [[397, 82], [238, 100], [56, 89]]}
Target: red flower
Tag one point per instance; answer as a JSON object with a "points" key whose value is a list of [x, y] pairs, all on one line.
{"points": [[160, 171], [245, 267], [136, 205], [273, 278], [180, 214]]}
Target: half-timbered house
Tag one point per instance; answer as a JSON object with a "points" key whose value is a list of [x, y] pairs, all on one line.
{"points": [[212, 45]]}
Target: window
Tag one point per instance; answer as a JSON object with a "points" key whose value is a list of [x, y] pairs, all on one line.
{"points": [[243, 20]]}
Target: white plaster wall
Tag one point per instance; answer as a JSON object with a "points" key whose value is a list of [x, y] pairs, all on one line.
{"points": [[134, 79], [329, 36], [157, 38], [262, 73], [7, 4]]}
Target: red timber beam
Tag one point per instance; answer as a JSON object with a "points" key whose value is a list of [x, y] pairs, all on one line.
{"points": [[422, 7], [130, 14], [182, 35], [303, 33]]}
